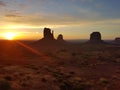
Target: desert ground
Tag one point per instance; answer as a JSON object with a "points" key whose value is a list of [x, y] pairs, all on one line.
{"points": [[27, 65]]}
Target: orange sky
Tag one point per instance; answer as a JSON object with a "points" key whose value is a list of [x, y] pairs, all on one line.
{"points": [[75, 19]]}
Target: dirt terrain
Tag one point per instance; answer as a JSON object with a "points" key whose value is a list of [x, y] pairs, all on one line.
{"points": [[27, 65]]}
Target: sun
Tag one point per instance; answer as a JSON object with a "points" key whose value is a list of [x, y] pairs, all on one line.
{"points": [[9, 35]]}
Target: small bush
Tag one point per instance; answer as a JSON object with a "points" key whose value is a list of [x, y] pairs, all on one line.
{"points": [[65, 86], [24, 84], [34, 68], [80, 86], [8, 78], [43, 79], [74, 54], [63, 50], [104, 80], [72, 86], [72, 72], [4, 85]]}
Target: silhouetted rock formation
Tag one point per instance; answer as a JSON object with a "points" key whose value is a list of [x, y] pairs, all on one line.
{"points": [[117, 39], [48, 34], [60, 38], [48, 37], [48, 40], [95, 37]]}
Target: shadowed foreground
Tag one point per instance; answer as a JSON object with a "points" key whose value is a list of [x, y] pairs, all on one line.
{"points": [[26, 65]]}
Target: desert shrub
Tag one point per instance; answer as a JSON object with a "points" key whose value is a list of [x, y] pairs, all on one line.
{"points": [[83, 62], [65, 86], [4, 85], [117, 60], [21, 74], [67, 82], [77, 79], [8, 78], [47, 68], [38, 72], [74, 54], [80, 86], [63, 50], [72, 72], [104, 81], [24, 84], [34, 68], [1, 66], [49, 54], [43, 79], [28, 77]]}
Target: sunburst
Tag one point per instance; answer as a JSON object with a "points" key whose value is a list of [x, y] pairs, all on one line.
{"points": [[9, 35]]}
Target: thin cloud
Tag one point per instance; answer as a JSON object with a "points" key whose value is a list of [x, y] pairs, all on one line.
{"points": [[52, 19], [12, 15]]}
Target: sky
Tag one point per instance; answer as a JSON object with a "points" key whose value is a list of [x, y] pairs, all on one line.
{"points": [[75, 19]]}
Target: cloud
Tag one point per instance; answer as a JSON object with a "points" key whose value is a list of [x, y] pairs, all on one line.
{"points": [[12, 15], [39, 20], [82, 16], [36, 19]]}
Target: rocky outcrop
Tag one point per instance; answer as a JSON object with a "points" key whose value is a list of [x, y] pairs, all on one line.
{"points": [[117, 39], [48, 34], [60, 38], [49, 40], [95, 37]]}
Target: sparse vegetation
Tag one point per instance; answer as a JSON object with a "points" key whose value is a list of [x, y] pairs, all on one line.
{"points": [[8, 78], [74, 54], [81, 67], [104, 80], [24, 84], [44, 79], [4, 85]]}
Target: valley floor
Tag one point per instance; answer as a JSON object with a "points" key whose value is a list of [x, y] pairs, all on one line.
{"points": [[67, 67]]}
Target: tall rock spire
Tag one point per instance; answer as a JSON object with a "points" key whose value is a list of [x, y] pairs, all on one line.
{"points": [[48, 34]]}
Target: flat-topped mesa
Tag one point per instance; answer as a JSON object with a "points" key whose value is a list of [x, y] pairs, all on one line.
{"points": [[48, 34], [117, 39], [95, 37], [60, 38]]}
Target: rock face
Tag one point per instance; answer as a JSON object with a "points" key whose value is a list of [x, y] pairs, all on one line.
{"points": [[60, 37], [117, 39], [48, 38], [48, 34], [95, 37]]}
